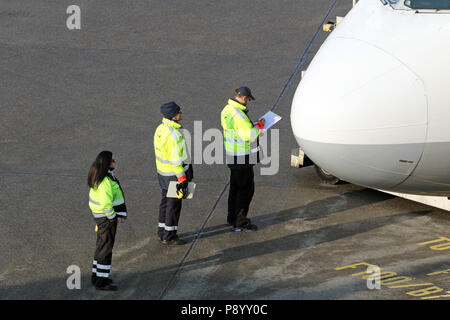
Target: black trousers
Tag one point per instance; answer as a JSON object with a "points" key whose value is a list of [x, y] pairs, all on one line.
{"points": [[242, 188], [169, 215], [106, 236]]}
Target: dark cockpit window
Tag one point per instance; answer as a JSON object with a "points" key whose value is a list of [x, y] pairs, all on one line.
{"points": [[428, 4]]}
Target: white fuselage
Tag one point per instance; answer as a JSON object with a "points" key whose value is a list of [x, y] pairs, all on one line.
{"points": [[374, 105]]}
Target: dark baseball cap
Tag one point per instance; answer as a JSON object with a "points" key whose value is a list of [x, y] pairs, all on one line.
{"points": [[245, 91]]}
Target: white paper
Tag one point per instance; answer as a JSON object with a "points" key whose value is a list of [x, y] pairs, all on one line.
{"points": [[172, 191], [271, 118]]}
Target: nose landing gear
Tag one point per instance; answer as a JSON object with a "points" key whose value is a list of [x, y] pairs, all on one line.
{"points": [[299, 160], [325, 176]]}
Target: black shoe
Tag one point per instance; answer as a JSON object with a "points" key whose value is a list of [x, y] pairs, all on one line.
{"points": [[174, 242], [105, 284], [251, 227], [94, 280], [241, 221], [107, 287], [248, 227]]}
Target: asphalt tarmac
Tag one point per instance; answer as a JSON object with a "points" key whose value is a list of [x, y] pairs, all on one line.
{"points": [[66, 95]]}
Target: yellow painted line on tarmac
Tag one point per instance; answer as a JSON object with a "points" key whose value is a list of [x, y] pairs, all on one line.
{"points": [[426, 290]]}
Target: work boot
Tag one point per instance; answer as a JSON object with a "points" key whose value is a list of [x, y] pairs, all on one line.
{"points": [[105, 284], [246, 226], [241, 219], [94, 280], [174, 242], [108, 287], [250, 227]]}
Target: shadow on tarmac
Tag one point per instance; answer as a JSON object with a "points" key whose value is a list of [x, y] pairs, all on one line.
{"points": [[295, 241], [300, 240], [312, 211]]}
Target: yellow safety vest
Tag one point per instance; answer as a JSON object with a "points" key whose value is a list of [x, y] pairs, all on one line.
{"points": [[170, 149], [238, 130], [104, 198]]}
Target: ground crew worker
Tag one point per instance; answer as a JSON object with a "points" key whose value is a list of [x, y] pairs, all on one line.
{"points": [[170, 156], [107, 203], [239, 134]]}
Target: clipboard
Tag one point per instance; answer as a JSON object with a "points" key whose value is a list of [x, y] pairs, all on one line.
{"points": [[172, 191], [271, 118]]}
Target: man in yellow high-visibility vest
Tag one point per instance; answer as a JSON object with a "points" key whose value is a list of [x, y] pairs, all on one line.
{"points": [[170, 157], [239, 134]]}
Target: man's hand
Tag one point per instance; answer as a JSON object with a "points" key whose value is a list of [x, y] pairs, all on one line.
{"points": [[261, 124], [182, 190]]}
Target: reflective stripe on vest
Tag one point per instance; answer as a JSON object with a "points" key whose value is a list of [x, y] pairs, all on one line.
{"points": [[239, 132], [104, 197], [170, 149]]}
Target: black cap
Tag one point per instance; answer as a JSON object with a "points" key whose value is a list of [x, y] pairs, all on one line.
{"points": [[170, 110], [245, 91]]}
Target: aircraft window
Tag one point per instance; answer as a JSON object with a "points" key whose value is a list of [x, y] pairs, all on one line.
{"points": [[428, 4]]}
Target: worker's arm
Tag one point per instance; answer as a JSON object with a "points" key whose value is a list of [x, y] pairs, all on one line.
{"points": [[177, 154], [245, 130], [119, 205]]}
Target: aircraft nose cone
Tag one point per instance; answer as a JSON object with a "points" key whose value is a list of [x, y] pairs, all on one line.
{"points": [[360, 113]]}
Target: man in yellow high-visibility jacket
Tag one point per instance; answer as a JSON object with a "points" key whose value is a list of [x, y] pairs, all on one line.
{"points": [[239, 134], [170, 157]]}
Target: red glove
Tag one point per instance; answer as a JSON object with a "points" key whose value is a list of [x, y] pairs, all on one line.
{"points": [[181, 179], [259, 125]]}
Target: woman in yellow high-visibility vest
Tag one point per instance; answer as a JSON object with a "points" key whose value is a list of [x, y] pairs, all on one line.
{"points": [[107, 203]]}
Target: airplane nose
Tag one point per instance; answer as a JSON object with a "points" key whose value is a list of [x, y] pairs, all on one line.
{"points": [[360, 113]]}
